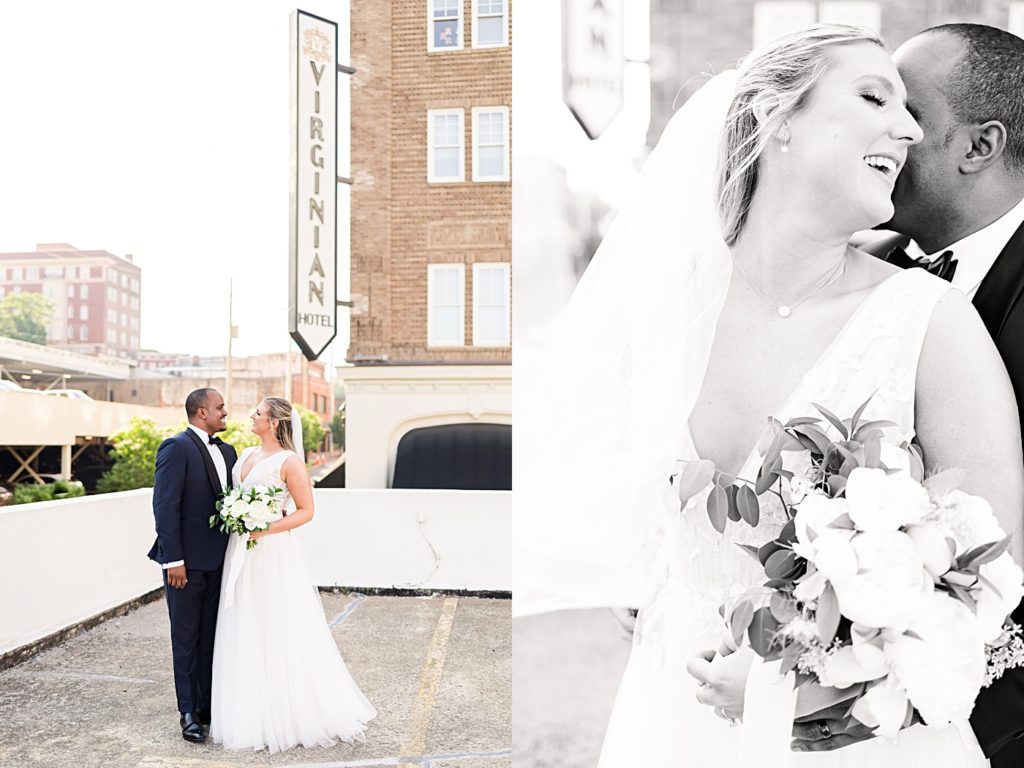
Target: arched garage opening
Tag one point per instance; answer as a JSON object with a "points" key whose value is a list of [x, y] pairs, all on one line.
{"points": [[469, 457]]}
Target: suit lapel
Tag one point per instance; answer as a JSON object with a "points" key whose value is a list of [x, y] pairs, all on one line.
{"points": [[1003, 285], [211, 470]]}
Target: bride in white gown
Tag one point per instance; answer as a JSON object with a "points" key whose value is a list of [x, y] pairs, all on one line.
{"points": [[695, 323], [278, 679]]}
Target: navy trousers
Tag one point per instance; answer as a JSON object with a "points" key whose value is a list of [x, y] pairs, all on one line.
{"points": [[193, 612]]}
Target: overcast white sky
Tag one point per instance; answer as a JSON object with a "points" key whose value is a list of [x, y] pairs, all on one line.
{"points": [[160, 130]]}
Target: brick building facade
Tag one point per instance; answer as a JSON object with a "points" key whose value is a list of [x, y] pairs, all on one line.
{"points": [[693, 37], [96, 296], [431, 216], [404, 95]]}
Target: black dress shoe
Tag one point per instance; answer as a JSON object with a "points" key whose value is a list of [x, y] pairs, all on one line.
{"points": [[192, 729], [203, 715]]}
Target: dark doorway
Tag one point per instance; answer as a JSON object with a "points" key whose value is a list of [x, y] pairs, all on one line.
{"points": [[469, 457]]}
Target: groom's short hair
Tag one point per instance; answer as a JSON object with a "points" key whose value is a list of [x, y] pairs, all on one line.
{"points": [[196, 399], [985, 84]]}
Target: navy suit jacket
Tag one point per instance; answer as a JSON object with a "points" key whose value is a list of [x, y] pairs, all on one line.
{"points": [[185, 490], [998, 716]]}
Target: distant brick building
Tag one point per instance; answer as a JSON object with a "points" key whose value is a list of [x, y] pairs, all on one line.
{"points": [[431, 224], [97, 296], [693, 37]]}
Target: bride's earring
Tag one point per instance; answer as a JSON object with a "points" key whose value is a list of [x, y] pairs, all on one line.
{"points": [[784, 139]]}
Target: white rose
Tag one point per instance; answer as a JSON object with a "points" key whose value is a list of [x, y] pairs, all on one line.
{"points": [[889, 583], [933, 543], [942, 671], [896, 458], [994, 605], [853, 664], [814, 515], [880, 502], [884, 706], [971, 520]]}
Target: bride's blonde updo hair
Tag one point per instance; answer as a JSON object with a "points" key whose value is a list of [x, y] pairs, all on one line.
{"points": [[779, 76], [280, 409]]}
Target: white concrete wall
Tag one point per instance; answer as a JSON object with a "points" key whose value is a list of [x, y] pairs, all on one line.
{"points": [[64, 561]]}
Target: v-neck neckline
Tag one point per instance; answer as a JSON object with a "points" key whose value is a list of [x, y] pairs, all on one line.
{"points": [[826, 353], [241, 480]]}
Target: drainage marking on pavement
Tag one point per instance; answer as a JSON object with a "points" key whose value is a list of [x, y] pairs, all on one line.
{"points": [[416, 736], [358, 598]]}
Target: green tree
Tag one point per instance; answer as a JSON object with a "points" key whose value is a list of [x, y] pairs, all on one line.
{"points": [[238, 435], [26, 316], [312, 430], [338, 429], [134, 455]]}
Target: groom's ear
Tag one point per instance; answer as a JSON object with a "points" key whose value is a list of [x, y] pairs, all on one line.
{"points": [[988, 142]]}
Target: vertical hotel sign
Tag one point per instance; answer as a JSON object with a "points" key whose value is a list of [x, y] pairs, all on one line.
{"points": [[312, 296]]}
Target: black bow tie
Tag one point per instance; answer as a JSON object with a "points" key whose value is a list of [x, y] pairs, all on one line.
{"points": [[943, 266], [214, 440]]}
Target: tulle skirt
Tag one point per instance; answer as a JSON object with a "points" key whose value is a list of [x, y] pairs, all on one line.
{"points": [[657, 720], [278, 678]]}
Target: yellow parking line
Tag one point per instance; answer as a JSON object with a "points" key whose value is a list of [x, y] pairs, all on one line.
{"points": [[415, 742]]}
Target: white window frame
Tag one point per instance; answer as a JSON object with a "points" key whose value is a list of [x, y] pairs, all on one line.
{"points": [[504, 27], [504, 176], [83, 291], [83, 333], [459, 25], [506, 338], [83, 311], [432, 340], [432, 177]]}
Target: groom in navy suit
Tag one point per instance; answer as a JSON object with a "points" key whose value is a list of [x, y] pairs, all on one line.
{"points": [[192, 469], [959, 209]]}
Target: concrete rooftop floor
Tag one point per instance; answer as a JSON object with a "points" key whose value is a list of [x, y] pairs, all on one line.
{"points": [[438, 669]]}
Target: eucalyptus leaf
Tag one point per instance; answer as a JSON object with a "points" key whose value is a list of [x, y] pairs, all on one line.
{"points": [[749, 507], [765, 479], [801, 420], [750, 550], [783, 608], [815, 435], [833, 420], [718, 508], [790, 657], [836, 485], [780, 564], [766, 550], [740, 620], [694, 478], [827, 615], [788, 533], [734, 512], [761, 632]]}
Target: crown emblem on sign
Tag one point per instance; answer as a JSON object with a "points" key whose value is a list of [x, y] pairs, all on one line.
{"points": [[318, 45]]}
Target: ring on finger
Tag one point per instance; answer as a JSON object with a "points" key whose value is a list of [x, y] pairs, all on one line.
{"points": [[824, 730]]}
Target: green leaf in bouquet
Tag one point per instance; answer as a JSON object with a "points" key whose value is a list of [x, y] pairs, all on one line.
{"points": [[836, 485], [718, 508], [961, 578], [808, 443], [984, 553], [749, 507], [833, 420], [693, 478], [916, 462], [752, 551], [800, 421], [724, 479], [872, 443], [781, 564], [945, 481], [843, 522], [790, 658], [768, 436], [827, 615], [792, 443], [783, 607], [859, 412], [766, 550], [786, 474], [767, 475], [871, 426], [730, 495], [848, 466], [762, 630], [740, 619], [788, 533]]}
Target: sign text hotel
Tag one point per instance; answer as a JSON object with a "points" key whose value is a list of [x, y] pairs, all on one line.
{"points": [[312, 297]]}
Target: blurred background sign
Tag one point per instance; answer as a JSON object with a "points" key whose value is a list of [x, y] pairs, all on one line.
{"points": [[592, 62]]}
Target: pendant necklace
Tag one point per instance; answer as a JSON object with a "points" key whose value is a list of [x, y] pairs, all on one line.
{"points": [[785, 310]]}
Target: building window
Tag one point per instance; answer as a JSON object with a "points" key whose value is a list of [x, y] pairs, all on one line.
{"points": [[32, 274], [124, 319], [83, 312], [111, 293], [445, 149], [112, 276], [111, 336], [490, 143], [446, 313], [96, 271], [124, 298], [83, 291], [490, 27], [491, 315], [71, 290], [135, 285], [445, 32], [83, 333], [71, 332], [135, 342], [124, 339], [111, 315], [71, 311]]}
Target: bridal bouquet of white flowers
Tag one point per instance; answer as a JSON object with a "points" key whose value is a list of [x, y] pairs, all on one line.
{"points": [[895, 588], [241, 510]]}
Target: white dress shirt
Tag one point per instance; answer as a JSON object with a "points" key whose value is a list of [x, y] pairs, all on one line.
{"points": [[218, 462], [976, 253]]}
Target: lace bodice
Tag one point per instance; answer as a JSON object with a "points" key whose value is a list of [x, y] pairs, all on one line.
{"points": [[264, 472], [875, 352]]}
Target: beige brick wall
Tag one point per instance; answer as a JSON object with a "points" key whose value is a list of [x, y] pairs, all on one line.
{"points": [[400, 223]]}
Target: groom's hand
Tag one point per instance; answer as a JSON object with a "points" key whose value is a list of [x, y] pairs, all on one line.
{"points": [[828, 729], [176, 577]]}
